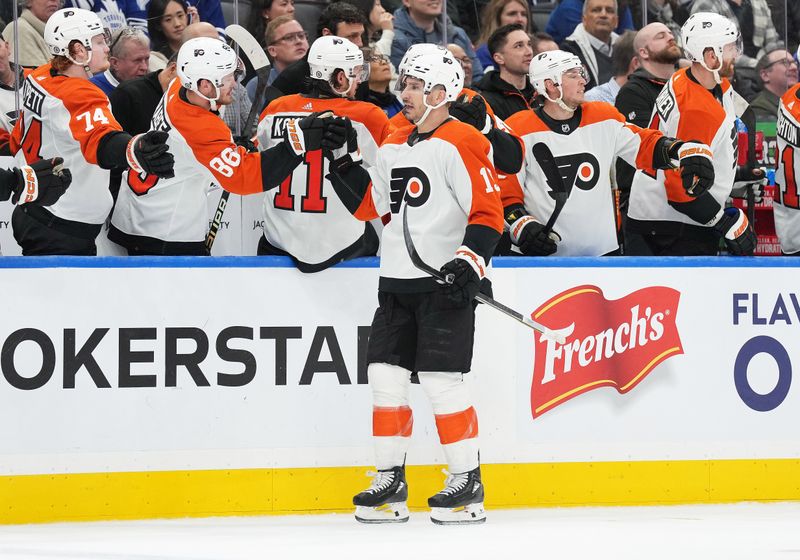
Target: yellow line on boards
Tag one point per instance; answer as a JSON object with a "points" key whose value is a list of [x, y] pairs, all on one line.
{"points": [[146, 495]]}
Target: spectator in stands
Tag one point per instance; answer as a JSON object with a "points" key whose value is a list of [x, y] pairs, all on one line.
{"points": [[380, 24], [264, 11], [755, 25], [786, 12], [128, 59], [115, 14], [593, 39], [658, 53], [209, 11], [376, 90], [672, 13], [508, 89], [33, 51], [134, 102], [778, 72], [466, 62], [498, 13], [341, 19], [420, 21], [166, 20], [623, 63], [286, 43], [570, 13], [541, 42]]}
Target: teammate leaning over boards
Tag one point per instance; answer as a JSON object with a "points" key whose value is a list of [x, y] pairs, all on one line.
{"points": [[585, 139], [301, 219], [64, 114], [471, 108], [168, 216], [787, 205], [440, 172], [698, 103]]}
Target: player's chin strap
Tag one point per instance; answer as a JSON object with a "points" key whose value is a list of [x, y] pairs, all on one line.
{"points": [[560, 100], [715, 71], [212, 100], [428, 109], [85, 64]]}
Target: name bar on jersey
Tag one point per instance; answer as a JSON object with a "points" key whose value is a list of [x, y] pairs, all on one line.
{"points": [[32, 98], [786, 129]]}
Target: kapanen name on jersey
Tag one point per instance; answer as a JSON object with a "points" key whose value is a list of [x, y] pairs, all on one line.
{"points": [[608, 342]]}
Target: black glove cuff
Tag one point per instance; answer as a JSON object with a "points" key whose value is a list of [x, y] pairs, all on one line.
{"points": [[514, 212]]}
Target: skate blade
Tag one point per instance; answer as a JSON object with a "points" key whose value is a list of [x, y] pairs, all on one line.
{"points": [[386, 513], [472, 513]]}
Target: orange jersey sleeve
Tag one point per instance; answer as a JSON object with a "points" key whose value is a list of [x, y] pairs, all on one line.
{"points": [[90, 115]]}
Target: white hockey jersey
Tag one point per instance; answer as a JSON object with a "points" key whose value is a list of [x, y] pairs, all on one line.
{"points": [[174, 209], [447, 181], [67, 117], [8, 104], [304, 217], [585, 156], [686, 110], [787, 206]]}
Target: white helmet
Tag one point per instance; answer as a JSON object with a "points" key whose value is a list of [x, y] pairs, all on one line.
{"points": [[72, 24], [435, 69], [551, 65], [417, 49], [206, 58], [708, 30], [330, 53]]}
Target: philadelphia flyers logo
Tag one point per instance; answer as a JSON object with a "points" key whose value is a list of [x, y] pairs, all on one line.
{"points": [[579, 170], [409, 184]]}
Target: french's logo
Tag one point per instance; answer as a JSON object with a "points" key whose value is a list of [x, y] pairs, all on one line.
{"points": [[612, 343]]}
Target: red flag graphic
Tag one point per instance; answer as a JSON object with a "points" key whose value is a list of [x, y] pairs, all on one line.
{"points": [[608, 342]]}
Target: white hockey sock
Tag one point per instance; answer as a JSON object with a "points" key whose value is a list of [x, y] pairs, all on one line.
{"points": [[456, 419], [391, 416]]}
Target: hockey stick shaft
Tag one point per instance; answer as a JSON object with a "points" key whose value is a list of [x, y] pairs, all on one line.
{"points": [[252, 50], [417, 261]]}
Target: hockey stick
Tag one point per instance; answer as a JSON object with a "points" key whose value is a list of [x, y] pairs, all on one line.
{"points": [[417, 261], [748, 118], [258, 58], [558, 190]]}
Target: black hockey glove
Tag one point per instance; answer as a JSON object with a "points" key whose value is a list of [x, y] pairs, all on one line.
{"points": [[352, 155], [472, 113], [42, 182], [739, 236], [149, 153], [245, 142], [753, 178], [314, 132], [463, 276], [695, 160], [528, 234]]}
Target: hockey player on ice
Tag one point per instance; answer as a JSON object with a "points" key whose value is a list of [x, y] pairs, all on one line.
{"points": [[471, 108], [440, 172], [302, 219], [696, 103], [585, 139], [65, 115], [168, 216]]}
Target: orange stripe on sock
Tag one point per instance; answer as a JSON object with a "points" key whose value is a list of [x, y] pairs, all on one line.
{"points": [[392, 421], [457, 426]]}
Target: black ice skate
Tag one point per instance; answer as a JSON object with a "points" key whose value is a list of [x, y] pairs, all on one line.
{"points": [[385, 500], [461, 500]]}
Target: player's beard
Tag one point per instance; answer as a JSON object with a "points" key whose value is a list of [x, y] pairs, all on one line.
{"points": [[727, 69], [668, 55]]}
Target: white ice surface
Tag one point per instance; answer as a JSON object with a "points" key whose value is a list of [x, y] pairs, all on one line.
{"points": [[725, 532]]}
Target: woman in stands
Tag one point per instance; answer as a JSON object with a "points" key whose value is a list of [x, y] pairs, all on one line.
{"points": [[498, 13], [166, 20], [264, 11], [380, 25]]}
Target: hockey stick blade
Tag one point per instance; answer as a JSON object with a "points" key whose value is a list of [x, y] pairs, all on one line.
{"points": [[417, 261], [558, 190]]}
